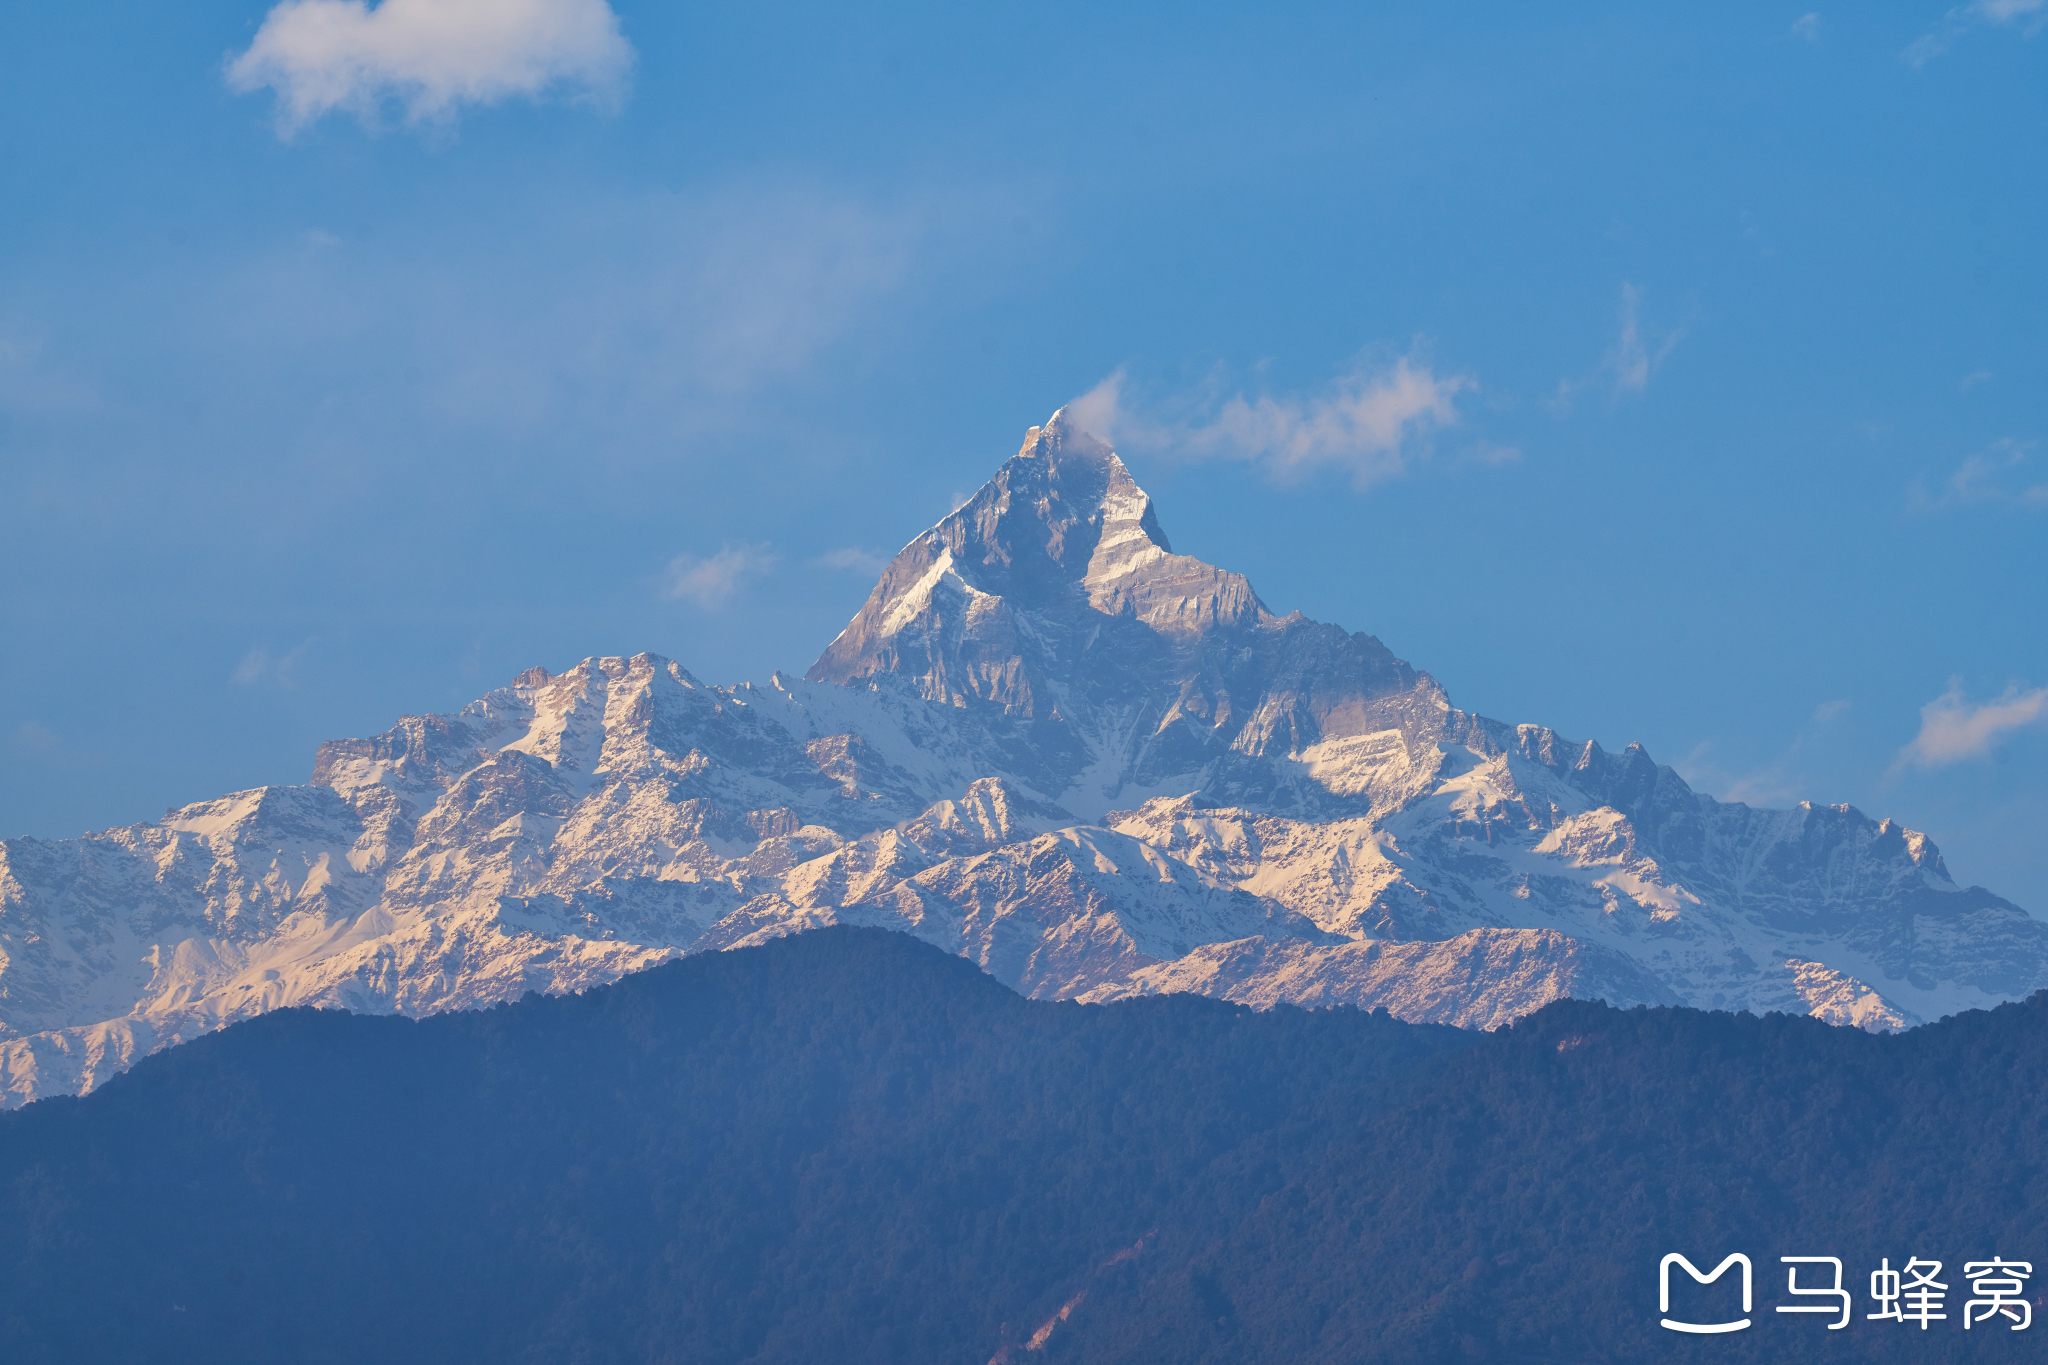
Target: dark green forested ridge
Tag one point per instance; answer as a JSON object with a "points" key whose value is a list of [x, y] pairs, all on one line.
{"points": [[848, 1146]]}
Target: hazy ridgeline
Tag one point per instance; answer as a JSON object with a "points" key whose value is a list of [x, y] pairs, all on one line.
{"points": [[850, 1146]]}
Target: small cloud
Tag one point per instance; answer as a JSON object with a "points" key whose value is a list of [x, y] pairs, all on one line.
{"points": [[1953, 728], [319, 239], [2025, 15], [854, 559], [1632, 361], [1628, 367], [1807, 26], [1997, 475], [1372, 423], [709, 582], [260, 666], [1973, 379], [1490, 455], [429, 55], [1925, 49], [1767, 788], [1102, 411], [254, 668], [1781, 781], [1772, 785]]}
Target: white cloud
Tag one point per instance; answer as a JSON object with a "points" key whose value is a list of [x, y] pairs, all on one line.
{"points": [[709, 582], [1103, 412], [1372, 423], [2025, 15], [429, 55], [854, 559], [1997, 475], [1628, 367], [1807, 26], [1953, 728], [259, 665], [1632, 360]]}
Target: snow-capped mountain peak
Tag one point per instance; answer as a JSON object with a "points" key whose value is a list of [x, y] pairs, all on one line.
{"points": [[988, 604], [1048, 742]]}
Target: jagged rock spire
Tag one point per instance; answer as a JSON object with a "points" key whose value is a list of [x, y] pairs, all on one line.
{"points": [[985, 603]]}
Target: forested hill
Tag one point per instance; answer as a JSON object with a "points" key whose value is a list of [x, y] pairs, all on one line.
{"points": [[847, 1146]]}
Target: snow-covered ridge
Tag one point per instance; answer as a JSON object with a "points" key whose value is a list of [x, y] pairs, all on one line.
{"points": [[1047, 742]]}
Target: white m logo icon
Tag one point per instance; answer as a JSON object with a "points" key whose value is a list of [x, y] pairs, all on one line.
{"points": [[1664, 1291]]}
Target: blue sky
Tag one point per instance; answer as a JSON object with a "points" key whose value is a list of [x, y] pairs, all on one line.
{"points": [[1669, 374]]}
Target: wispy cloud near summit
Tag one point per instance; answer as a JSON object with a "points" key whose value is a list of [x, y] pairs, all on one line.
{"points": [[711, 581], [1998, 474], [1632, 361], [429, 55], [1371, 423], [2027, 16], [1953, 728]]}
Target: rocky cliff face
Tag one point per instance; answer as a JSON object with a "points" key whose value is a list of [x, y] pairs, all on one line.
{"points": [[1047, 743]]}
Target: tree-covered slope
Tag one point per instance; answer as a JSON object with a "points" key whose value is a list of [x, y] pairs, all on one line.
{"points": [[842, 1146], [849, 1146], [1516, 1205]]}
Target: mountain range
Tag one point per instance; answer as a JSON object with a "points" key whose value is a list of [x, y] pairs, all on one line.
{"points": [[1047, 743]]}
